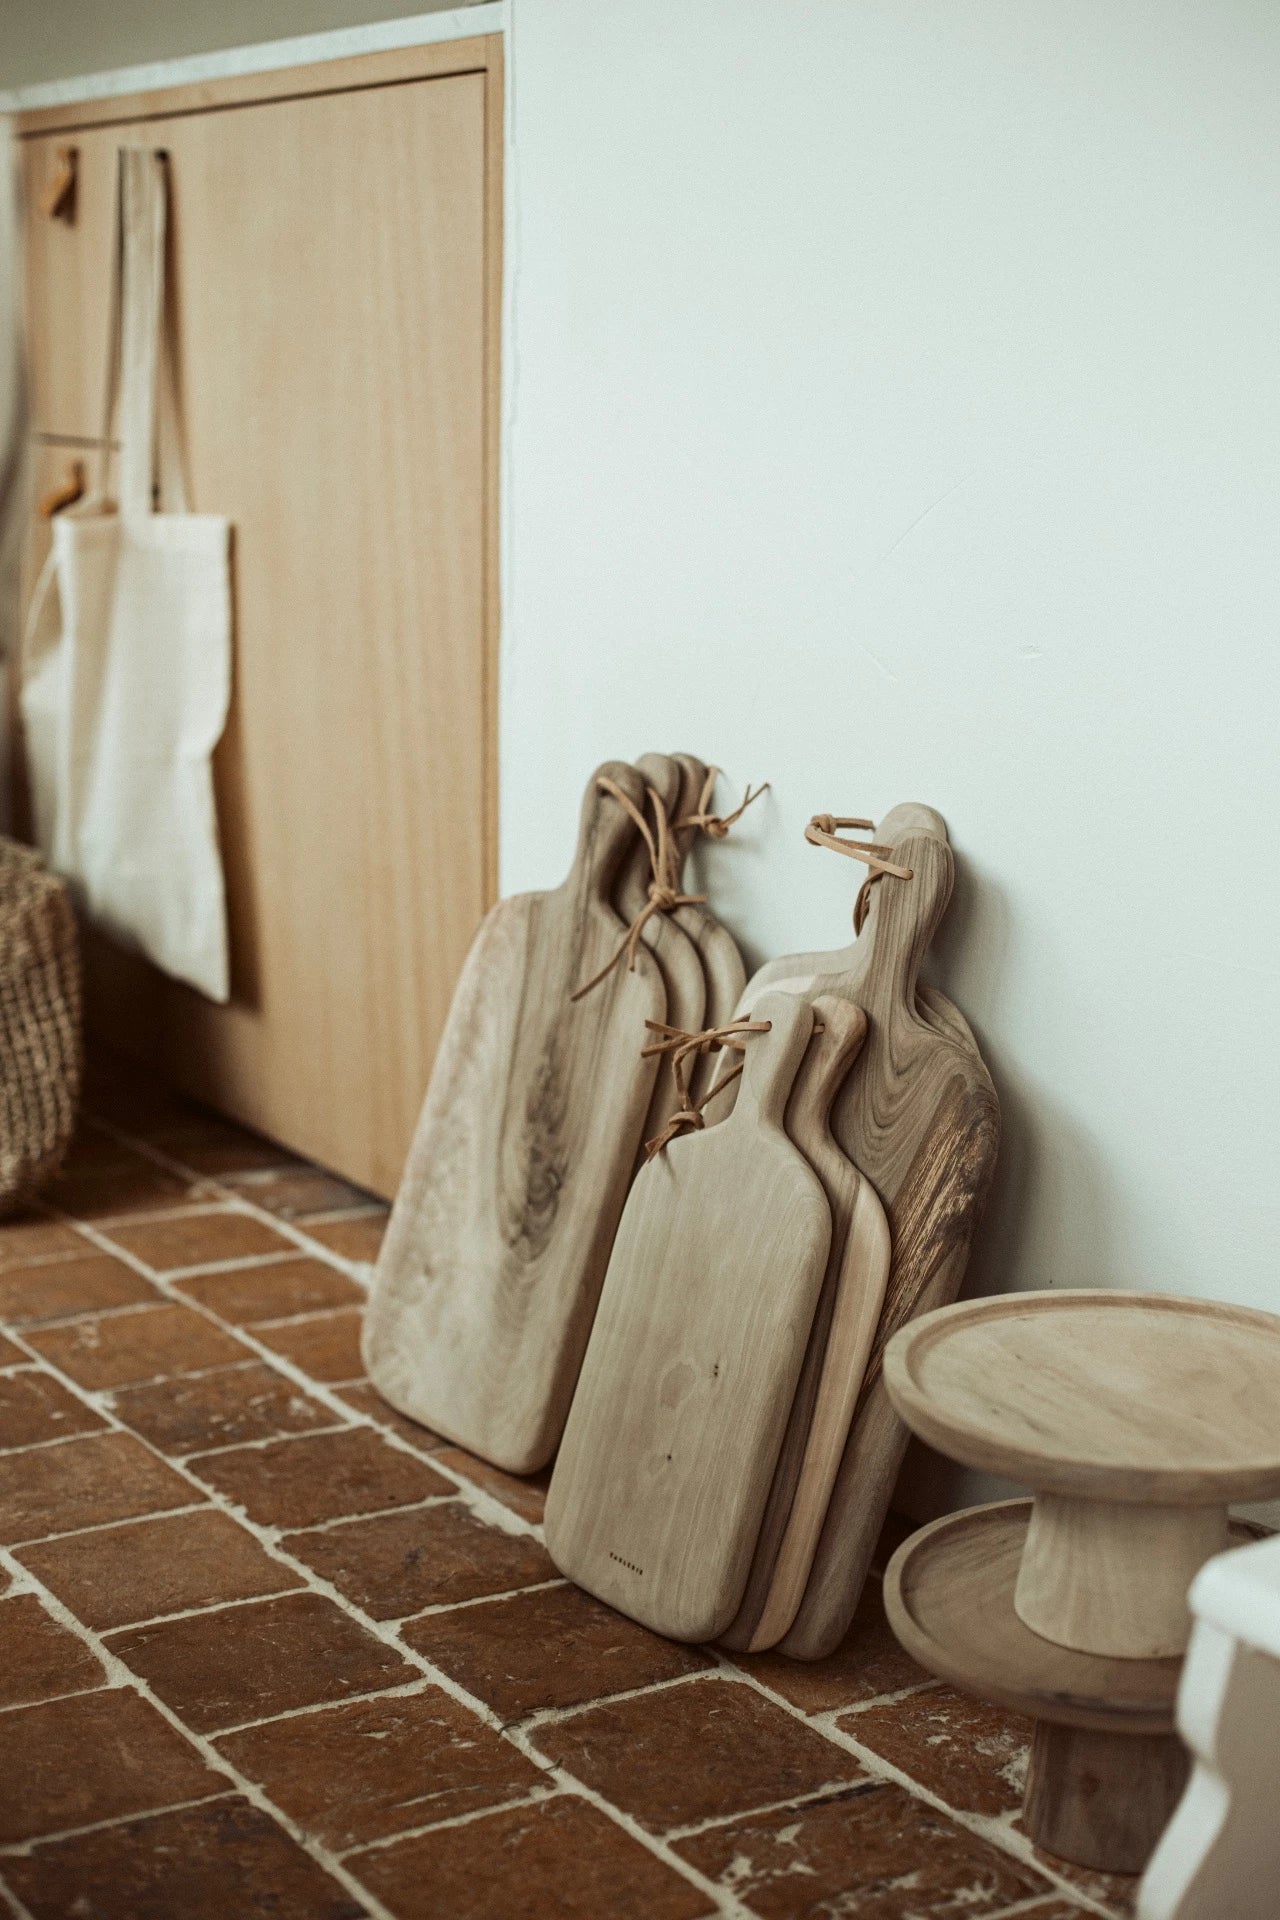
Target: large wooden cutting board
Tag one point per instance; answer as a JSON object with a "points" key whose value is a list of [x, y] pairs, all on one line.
{"points": [[844, 1327], [669, 1451], [498, 1242], [919, 1118]]}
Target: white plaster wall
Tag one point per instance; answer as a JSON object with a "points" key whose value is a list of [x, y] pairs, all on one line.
{"points": [[893, 413]]}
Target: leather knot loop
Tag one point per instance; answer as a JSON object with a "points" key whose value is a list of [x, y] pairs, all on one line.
{"points": [[682, 1047], [823, 831], [715, 825], [664, 894]]}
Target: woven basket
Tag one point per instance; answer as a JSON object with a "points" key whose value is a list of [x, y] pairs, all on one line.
{"points": [[40, 1040]]}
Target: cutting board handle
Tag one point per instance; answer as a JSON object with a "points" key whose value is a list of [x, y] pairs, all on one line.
{"points": [[606, 832], [772, 1061], [902, 919], [832, 1053]]}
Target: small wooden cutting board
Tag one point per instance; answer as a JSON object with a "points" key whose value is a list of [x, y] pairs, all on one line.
{"points": [[498, 1242], [844, 1327], [690, 1375]]}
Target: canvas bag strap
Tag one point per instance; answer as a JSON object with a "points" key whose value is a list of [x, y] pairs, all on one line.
{"points": [[140, 371]]}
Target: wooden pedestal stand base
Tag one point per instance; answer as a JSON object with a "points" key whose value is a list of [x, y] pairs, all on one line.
{"points": [[1106, 1766], [1137, 1419]]}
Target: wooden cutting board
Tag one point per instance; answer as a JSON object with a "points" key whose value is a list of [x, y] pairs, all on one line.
{"points": [[670, 1447], [919, 1118], [667, 937], [498, 1242], [722, 966], [844, 1327]]}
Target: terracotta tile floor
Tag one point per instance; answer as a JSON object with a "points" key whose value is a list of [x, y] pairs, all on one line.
{"points": [[269, 1649]]}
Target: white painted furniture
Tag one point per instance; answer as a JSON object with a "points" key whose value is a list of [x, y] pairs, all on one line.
{"points": [[1219, 1858]]}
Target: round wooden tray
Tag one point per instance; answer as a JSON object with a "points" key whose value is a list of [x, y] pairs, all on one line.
{"points": [[948, 1592], [1121, 1397]]}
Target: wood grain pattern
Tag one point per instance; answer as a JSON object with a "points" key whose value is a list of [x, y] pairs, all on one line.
{"points": [[356, 782], [497, 1247], [1135, 1417], [725, 975], [1112, 1577], [666, 934], [844, 1325], [1102, 1800], [670, 1447], [1087, 1392], [919, 1118], [948, 1592]]}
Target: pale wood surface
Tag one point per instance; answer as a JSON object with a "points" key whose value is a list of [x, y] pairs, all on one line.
{"points": [[918, 1117], [844, 1326], [1119, 1396], [485, 1290], [1112, 1577], [669, 1451], [948, 1592], [672, 943], [1101, 1800], [725, 975], [338, 326]]}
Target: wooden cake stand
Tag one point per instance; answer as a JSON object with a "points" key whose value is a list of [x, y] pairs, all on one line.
{"points": [[1135, 1418]]}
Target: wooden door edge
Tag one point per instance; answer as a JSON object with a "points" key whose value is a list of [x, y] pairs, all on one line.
{"points": [[437, 60], [495, 147]]}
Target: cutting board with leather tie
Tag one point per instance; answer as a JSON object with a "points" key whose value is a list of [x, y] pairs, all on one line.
{"points": [[666, 934], [497, 1246], [918, 1117], [689, 1379], [724, 974]]}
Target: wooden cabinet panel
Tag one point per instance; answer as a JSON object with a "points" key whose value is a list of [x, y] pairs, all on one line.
{"points": [[68, 278], [335, 270]]}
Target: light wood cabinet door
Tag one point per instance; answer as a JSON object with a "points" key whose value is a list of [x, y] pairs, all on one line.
{"points": [[336, 279]]}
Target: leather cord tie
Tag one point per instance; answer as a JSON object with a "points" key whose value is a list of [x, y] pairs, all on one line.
{"points": [[664, 888], [681, 1047], [715, 825], [823, 831]]}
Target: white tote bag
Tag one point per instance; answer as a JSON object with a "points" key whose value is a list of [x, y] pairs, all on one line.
{"points": [[125, 697]]}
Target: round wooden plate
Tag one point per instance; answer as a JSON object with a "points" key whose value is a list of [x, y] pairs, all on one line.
{"points": [[948, 1592], [1106, 1396]]}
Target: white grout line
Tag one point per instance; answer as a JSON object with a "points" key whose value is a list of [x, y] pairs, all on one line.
{"points": [[53, 1440], [888, 1699], [105, 1526], [56, 1321], [542, 1717], [308, 1314], [407, 1690], [797, 1802], [12, 1904], [530, 1799], [23, 1849], [479, 1600]]}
